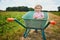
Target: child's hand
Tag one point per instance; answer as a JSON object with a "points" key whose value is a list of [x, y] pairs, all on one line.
{"points": [[36, 17], [41, 18]]}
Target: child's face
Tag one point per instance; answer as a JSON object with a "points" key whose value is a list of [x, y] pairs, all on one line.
{"points": [[38, 9]]}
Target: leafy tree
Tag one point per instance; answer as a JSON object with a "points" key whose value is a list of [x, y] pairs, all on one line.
{"points": [[31, 9], [59, 8], [20, 8]]}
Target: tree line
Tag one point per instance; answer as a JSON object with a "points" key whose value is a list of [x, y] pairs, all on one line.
{"points": [[23, 8], [20, 8]]}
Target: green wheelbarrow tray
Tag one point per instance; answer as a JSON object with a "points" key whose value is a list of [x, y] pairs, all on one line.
{"points": [[31, 23]]}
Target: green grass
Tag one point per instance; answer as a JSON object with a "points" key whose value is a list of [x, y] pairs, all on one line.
{"points": [[10, 28]]}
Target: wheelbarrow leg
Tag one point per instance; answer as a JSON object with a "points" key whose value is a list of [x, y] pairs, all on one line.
{"points": [[26, 33], [43, 34]]}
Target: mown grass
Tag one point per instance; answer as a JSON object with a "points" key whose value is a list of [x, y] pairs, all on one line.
{"points": [[56, 13]]}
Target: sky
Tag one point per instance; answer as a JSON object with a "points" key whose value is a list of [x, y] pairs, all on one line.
{"points": [[46, 4]]}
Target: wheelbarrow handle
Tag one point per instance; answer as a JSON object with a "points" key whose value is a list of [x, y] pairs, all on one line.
{"points": [[19, 22], [49, 22], [14, 19], [52, 22], [10, 19]]}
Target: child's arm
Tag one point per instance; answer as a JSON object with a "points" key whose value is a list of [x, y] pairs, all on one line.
{"points": [[35, 16]]}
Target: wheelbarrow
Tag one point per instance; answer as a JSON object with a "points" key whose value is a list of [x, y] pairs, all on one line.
{"points": [[31, 23]]}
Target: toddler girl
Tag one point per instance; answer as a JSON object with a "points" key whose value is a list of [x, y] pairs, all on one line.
{"points": [[38, 14]]}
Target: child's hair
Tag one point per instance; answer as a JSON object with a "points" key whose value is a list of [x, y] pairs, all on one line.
{"points": [[38, 6]]}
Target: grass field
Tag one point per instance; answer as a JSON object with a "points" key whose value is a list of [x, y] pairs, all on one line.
{"points": [[8, 29], [56, 13], [12, 30]]}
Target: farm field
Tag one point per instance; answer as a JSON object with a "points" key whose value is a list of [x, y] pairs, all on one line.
{"points": [[56, 13], [13, 31]]}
